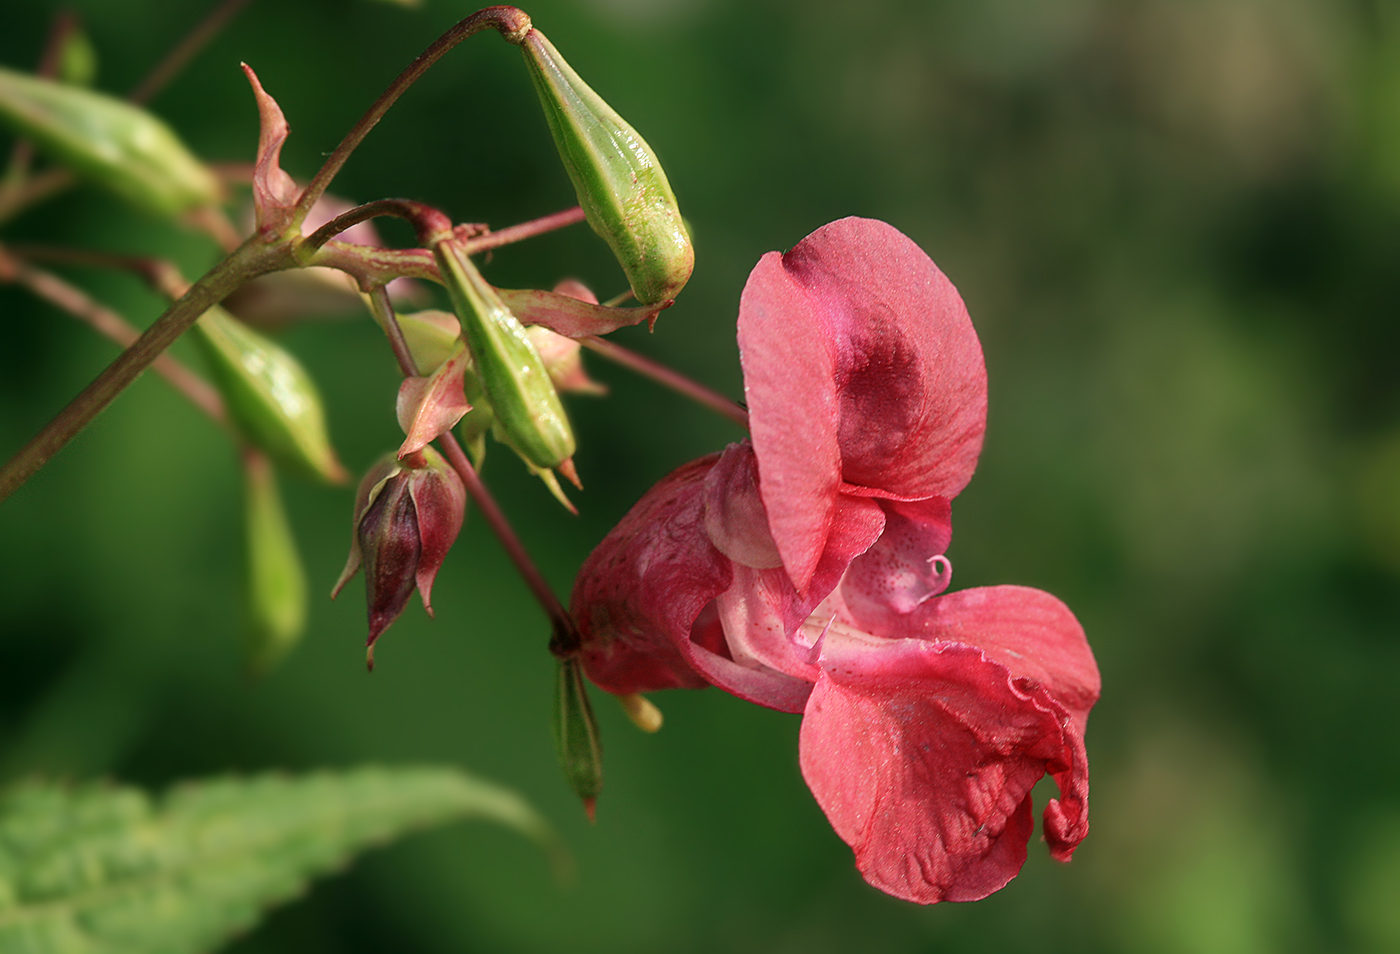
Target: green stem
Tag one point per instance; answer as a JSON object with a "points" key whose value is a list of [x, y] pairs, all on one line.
{"points": [[252, 259]]}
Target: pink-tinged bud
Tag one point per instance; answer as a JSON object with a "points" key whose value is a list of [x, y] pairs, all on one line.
{"points": [[274, 193], [407, 515], [562, 360]]}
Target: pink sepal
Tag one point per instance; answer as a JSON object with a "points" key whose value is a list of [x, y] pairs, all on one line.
{"points": [[274, 192], [571, 317], [428, 407]]}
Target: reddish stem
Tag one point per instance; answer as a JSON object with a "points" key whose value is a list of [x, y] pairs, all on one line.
{"points": [[108, 323], [383, 310], [670, 378], [184, 51], [525, 230], [566, 638], [512, 23]]}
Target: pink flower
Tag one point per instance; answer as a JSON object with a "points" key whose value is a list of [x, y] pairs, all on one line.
{"points": [[802, 570]]}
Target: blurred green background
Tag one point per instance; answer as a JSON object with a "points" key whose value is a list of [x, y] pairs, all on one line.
{"points": [[1176, 224]]}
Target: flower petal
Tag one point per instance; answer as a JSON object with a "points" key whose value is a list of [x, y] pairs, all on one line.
{"points": [[900, 572], [1028, 631], [860, 363], [1042, 645], [641, 590], [735, 517], [790, 386], [762, 612], [923, 756]]}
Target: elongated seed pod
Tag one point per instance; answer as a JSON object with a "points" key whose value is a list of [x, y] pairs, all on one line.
{"points": [[526, 406], [111, 142], [620, 184], [270, 396]]}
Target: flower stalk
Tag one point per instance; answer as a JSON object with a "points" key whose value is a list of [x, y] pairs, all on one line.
{"points": [[509, 21], [252, 259], [114, 327]]}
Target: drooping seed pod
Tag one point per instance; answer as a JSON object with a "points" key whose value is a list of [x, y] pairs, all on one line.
{"points": [[270, 396], [576, 738], [620, 184], [528, 414], [111, 142], [274, 578]]}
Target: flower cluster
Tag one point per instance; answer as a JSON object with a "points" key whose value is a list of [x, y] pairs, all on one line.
{"points": [[802, 570]]}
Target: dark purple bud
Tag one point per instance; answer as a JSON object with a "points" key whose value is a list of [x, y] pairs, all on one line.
{"points": [[407, 515]]}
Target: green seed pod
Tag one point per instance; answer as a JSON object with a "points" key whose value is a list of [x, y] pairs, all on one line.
{"points": [[270, 396], [527, 411], [113, 143], [576, 734], [620, 184], [275, 579]]}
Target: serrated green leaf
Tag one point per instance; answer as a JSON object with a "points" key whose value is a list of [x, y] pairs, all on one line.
{"points": [[106, 870]]}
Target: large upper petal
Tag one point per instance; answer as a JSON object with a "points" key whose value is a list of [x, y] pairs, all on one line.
{"points": [[860, 364], [923, 752]]}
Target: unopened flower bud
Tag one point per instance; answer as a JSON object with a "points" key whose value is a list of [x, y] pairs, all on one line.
{"points": [[270, 396], [576, 736], [275, 579], [619, 182], [528, 414], [111, 142], [407, 516]]}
